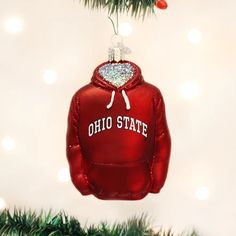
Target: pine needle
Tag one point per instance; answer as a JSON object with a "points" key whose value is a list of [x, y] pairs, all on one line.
{"points": [[136, 8], [29, 223]]}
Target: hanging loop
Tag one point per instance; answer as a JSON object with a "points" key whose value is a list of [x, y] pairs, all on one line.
{"points": [[116, 40], [113, 25], [117, 50]]}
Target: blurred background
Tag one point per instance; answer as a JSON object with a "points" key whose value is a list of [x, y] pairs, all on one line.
{"points": [[49, 49]]}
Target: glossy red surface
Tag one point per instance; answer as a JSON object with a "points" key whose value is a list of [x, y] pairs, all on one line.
{"points": [[161, 4], [125, 155]]}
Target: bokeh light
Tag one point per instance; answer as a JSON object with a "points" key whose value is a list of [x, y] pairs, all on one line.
{"points": [[14, 25], [64, 175], [189, 90], [50, 76], [2, 204], [194, 36], [8, 143], [125, 29], [202, 193]]}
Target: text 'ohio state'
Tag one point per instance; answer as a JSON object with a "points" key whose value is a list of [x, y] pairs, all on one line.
{"points": [[121, 122]]}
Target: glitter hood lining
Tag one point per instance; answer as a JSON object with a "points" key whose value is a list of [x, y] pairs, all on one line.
{"points": [[135, 80]]}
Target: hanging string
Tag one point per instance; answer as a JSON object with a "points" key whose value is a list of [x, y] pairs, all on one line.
{"points": [[115, 26], [117, 22], [116, 51]]}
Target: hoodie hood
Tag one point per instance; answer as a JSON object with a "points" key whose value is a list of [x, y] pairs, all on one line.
{"points": [[117, 77], [133, 81]]}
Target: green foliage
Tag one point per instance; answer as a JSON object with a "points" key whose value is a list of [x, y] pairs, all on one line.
{"points": [[29, 223], [137, 8]]}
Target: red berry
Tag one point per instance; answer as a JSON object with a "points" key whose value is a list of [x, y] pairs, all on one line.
{"points": [[162, 4]]}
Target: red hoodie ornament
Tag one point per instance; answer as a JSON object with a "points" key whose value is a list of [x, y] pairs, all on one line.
{"points": [[118, 143]]}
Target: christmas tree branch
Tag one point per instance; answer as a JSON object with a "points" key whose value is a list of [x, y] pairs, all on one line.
{"points": [[21, 222], [137, 8]]}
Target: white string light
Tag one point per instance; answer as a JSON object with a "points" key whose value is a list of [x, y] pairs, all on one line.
{"points": [[63, 175], [202, 193], [50, 76], [14, 25], [194, 36], [8, 143], [189, 91], [125, 29], [2, 204]]}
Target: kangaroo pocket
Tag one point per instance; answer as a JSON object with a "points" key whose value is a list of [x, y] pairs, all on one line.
{"points": [[119, 179]]}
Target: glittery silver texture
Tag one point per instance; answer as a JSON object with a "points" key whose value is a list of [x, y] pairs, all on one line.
{"points": [[117, 73]]}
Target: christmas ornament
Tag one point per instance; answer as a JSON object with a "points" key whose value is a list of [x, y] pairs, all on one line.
{"points": [[161, 4], [118, 142]]}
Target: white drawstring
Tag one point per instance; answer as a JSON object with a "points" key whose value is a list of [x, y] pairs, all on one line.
{"points": [[127, 103], [126, 99], [112, 100]]}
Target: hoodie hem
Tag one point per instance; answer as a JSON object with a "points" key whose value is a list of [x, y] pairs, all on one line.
{"points": [[127, 196]]}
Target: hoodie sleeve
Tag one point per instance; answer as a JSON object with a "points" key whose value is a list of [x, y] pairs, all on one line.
{"points": [[162, 147], [73, 149]]}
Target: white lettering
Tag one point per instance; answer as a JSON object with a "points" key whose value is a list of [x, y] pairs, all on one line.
{"points": [[97, 126], [132, 126], [139, 123], [126, 119], [119, 122], [90, 130], [103, 124], [144, 130], [109, 122], [122, 122]]}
